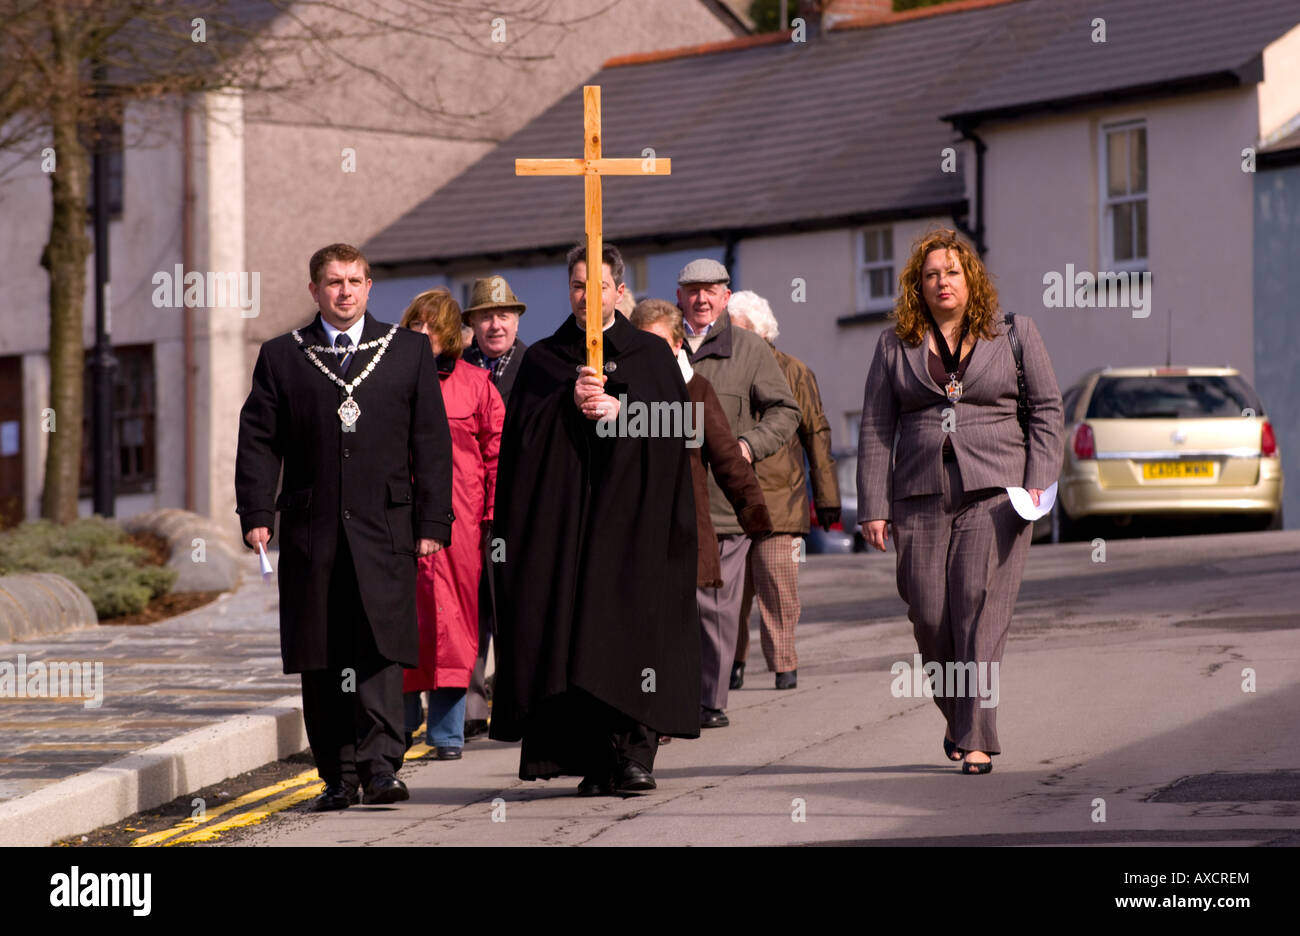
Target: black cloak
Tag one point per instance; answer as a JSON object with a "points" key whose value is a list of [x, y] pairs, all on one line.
{"points": [[596, 592]]}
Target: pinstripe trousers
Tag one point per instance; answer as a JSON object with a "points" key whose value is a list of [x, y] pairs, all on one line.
{"points": [[961, 556], [719, 621]]}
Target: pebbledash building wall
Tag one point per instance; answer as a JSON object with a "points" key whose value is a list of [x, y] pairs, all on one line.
{"points": [[812, 167], [271, 182], [1277, 302]]}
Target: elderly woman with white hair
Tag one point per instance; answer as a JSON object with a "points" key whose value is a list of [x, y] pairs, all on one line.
{"points": [[771, 573]]}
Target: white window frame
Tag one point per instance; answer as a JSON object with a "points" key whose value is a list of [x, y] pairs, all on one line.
{"points": [[866, 301], [1106, 202]]}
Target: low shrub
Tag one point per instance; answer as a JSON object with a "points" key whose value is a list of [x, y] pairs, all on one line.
{"points": [[95, 555]]}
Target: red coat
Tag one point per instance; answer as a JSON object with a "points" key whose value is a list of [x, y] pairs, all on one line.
{"points": [[447, 583]]}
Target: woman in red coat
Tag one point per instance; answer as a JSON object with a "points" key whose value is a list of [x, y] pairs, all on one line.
{"points": [[447, 584]]}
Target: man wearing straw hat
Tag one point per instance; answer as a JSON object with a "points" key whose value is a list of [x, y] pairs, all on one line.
{"points": [[493, 315]]}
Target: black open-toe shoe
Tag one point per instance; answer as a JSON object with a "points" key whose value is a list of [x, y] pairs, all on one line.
{"points": [[973, 767], [951, 750]]}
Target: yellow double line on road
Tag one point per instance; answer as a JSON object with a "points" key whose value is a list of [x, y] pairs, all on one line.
{"points": [[204, 829]]}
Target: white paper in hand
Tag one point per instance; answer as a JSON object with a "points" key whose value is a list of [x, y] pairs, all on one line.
{"points": [[267, 571], [1024, 504]]}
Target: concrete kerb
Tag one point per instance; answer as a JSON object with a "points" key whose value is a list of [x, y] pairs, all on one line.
{"points": [[155, 775]]}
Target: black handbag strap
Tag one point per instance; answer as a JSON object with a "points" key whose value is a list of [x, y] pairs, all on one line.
{"points": [[1022, 396]]}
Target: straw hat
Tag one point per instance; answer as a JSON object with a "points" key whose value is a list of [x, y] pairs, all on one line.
{"points": [[492, 292]]}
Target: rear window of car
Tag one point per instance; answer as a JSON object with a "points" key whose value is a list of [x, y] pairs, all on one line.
{"points": [[1172, 397]]}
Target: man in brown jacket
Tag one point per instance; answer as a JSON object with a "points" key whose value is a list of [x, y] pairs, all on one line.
{"points": [[773, 566], [763, 416]]}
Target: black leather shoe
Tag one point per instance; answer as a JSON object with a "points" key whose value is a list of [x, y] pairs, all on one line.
{"points": [[447, 753], [475, 727], [633, 778], [788, 680], [385, 789], [713, 718], [595, 786], [737, 675], [336, 796]]}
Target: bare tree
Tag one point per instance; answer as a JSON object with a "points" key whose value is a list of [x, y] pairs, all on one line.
{"points": [[69, 67]]}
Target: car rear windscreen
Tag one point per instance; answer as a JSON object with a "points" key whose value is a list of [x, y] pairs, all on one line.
{"points": [[1172, 397]]}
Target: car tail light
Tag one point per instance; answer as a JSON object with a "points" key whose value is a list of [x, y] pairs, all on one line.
{"points": [[1084, 444], [1267, 442]]}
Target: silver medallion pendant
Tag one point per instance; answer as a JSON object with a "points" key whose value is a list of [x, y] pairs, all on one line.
{"points": [[953, 389], [349, 412]]}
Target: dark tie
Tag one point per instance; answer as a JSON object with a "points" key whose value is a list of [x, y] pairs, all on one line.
{"points": [[343, 341]]}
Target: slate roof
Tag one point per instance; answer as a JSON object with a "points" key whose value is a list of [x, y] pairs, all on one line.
{"points": [[769, 135], [1150, 45]]}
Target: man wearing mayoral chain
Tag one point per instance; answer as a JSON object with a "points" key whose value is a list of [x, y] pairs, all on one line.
{"points": [[351, 409]]}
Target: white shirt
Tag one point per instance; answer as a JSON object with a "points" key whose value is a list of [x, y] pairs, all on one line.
{"points": [[354, 331]]}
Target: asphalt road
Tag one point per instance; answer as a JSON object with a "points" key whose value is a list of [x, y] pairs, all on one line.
{"points": [[1126, 717]]}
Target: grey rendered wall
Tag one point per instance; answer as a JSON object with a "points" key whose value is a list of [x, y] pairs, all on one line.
{"points": [[1277, 318]]}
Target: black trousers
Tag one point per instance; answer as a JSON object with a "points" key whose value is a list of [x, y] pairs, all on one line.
{"points": [[575, 734], [353, 709]]}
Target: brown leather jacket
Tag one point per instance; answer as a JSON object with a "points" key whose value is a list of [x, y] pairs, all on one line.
{"points": [[782, 475], [734, 476]]}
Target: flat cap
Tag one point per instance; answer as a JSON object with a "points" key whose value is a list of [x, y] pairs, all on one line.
{"points": [[703, 270]]}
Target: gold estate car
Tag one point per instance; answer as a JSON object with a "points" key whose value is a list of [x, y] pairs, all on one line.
{"points": [[1167, 441]]}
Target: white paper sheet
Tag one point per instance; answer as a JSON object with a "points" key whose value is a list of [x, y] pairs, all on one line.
{"points": [[1024, 504], [267, 572]]}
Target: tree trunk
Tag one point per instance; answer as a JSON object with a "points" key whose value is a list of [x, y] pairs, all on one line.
{"points": [[65, 259]]}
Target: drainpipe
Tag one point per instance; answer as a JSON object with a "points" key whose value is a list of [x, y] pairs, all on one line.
{"points": [[187, 314], [976, 235], [729, 261]]}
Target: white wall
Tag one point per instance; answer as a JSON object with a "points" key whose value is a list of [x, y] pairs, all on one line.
{"points": [[827, 262], [1279, 93], [221, 386], [1041, 212]]}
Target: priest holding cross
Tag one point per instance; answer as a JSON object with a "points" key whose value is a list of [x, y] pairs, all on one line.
{"points": [[598, 638]]}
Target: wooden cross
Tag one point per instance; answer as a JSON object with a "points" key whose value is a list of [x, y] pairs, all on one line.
{"points": [[592, 166]]}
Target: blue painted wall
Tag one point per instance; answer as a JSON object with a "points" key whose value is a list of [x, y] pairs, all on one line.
{"points": [[543, 289]]}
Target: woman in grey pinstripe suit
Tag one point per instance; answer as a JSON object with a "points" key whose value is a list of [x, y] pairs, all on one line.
{"points": [[940, 442]]}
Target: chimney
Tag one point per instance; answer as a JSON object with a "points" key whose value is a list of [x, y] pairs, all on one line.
{"points": [[835, 12]]}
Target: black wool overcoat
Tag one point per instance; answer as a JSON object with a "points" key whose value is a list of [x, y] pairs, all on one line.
{"points": [[381, 486], [597, 588]]}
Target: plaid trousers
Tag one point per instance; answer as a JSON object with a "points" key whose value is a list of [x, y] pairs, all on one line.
{"points": [[773, 575]]}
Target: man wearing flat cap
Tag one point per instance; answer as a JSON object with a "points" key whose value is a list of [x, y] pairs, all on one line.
{"points": [[764, 417], [493, 315]]}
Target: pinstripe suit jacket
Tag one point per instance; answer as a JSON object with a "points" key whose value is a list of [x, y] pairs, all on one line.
{"points": [[900, 446]]}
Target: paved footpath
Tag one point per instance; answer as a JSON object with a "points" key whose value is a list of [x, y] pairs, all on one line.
{"points": [[160, 681], [1124, 718]]}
